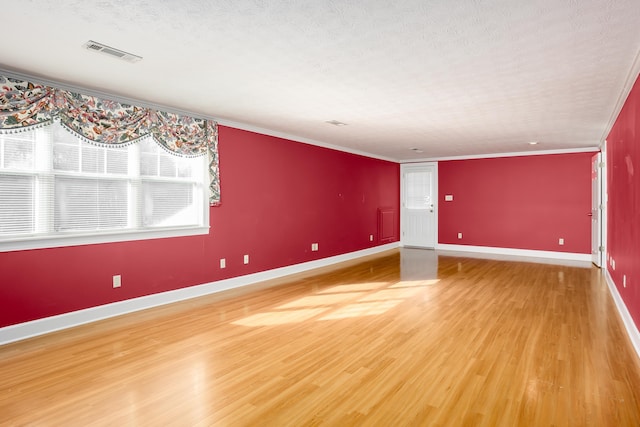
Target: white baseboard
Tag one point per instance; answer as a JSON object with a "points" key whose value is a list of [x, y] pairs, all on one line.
{"points": [[568, 256], [629, 324], [67, 320]]}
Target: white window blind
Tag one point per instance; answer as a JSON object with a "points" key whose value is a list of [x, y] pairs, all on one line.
{"points": [[53, 185], [417, 184]]}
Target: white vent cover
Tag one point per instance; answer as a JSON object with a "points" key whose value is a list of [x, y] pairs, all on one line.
{"points": [[111, 51]]}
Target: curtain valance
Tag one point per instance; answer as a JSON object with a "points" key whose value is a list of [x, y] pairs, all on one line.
{"points": [[24, 105]]}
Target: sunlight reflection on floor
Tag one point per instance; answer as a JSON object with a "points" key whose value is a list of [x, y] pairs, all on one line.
{"points": [[356, 287], [362, 309], [279, 317], [392, 294], [412, 283], [329, 302], [352, 300], [321, 300]]}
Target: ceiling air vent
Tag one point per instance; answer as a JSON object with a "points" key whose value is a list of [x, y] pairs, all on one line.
{"points": [[108, 50]]}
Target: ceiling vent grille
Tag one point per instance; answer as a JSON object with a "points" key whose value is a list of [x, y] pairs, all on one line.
{"points": [[108, 50]]}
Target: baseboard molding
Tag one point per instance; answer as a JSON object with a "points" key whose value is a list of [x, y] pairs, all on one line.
{"points": [[629, 324], [46, 325], [569, 256]]}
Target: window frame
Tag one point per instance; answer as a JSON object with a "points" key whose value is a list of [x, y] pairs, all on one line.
{"points": [[74, 238]]}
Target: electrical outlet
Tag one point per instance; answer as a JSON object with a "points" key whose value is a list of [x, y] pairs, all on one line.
{"points": [[117, 281], [314, 247], [371, 237], [448, 198], [223, 263], [561, 241], [246, 259], [624, 280], [613, 264], [459, 235]]}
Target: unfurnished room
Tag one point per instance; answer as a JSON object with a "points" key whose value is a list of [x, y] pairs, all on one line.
{"points": [[334, 213]]}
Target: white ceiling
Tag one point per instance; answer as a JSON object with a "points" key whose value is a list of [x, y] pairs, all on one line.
{"points": [[451, 78]]}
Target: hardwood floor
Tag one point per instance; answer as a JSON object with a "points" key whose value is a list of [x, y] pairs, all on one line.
{"points": [[410, 338]]}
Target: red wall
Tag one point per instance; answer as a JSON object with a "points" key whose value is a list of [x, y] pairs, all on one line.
{"points": [[524, 202], [278, 197], [623, 207]]}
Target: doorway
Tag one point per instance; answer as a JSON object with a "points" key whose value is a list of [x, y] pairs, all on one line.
{"points": [[419, 204]]}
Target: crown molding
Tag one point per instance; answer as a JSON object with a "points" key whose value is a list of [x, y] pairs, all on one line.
{"points": [[634, 71], [295, 138], [220, 121], [512, 154]]}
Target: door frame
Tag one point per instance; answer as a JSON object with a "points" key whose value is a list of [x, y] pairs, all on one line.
{"points": [[596, 209], [604, 198], [408, 166], [600, 258]]}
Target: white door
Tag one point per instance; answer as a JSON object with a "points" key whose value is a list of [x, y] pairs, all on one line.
{"points": [[419, 204], [596, 211]]}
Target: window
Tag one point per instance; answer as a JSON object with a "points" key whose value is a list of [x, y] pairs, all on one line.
{"points": [[56, 190], [418, 190]]}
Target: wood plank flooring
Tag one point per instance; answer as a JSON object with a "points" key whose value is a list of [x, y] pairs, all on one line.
{"points": [[410, 338]]}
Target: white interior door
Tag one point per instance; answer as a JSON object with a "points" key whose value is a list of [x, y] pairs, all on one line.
{"points": [[596, 210], [419, 205]]}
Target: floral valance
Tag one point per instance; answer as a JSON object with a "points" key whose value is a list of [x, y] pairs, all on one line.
{"points": [[24, 104]]}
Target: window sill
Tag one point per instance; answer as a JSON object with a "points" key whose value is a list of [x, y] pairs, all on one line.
{"points": [[98, 238]]}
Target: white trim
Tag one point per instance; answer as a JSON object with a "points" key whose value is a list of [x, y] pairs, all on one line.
{"points": [[604, 199], [513, 154], [629, 324], [622, 98], [295, 138], [597, 257], [569, 256], [50, 242], [63, 321], [220, 121]]}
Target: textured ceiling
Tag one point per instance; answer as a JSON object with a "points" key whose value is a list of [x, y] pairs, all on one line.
{"points": [[448, 77]]}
